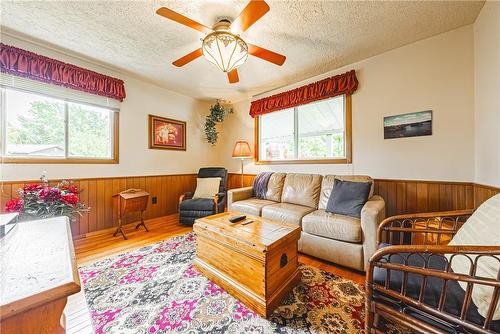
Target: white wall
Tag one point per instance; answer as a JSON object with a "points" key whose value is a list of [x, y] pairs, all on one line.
{"points": [[135, 158], [436, 73], [487, 94]]}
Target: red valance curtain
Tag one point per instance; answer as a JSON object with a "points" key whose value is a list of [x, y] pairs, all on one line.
{"points": [[27, 64], [340, 84]]}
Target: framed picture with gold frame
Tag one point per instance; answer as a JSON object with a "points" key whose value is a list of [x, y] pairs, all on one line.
{"points": [[166, 133]]}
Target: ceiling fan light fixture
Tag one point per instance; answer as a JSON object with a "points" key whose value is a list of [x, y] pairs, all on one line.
{"points": [[225, 50]]}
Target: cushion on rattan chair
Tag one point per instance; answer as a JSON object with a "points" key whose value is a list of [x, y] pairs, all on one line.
{"points": [[455, 295], [481, 229]]}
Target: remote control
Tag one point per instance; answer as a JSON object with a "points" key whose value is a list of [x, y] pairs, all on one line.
{"points": [[248, 222], [236, 219]]}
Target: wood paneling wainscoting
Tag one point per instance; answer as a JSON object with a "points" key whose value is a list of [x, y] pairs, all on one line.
{"points": [[406, 196], [483, 192], [234, 180], [401, 196], [97, 194], [409, 196]]}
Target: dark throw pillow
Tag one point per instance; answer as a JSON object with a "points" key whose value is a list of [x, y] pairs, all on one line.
{"points": [[348, 198]]}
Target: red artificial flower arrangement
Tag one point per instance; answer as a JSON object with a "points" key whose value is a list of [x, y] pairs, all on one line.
{"points": [[37, 201], [14, 205]]}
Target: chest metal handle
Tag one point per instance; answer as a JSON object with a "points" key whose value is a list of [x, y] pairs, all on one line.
{"points": [[283, 260]]}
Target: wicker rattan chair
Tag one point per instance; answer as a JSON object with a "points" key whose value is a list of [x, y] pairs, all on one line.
{"points": [[410, 281]]}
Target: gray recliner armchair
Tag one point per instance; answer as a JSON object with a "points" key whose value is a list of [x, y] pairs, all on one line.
{"points": [[191, 208]]}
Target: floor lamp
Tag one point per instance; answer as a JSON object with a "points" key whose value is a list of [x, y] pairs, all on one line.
{"points": [[242, 151]]}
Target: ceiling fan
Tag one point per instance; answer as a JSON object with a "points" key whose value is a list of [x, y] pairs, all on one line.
{"points": [[222, 44]]}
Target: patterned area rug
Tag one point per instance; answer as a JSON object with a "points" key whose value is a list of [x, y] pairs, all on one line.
{"points": [[156, 290]]}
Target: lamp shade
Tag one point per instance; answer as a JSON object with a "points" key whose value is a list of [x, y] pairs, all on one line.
{"points": [[242, 150]]}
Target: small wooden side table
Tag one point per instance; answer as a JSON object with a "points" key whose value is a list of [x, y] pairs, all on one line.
{"points": [[130, 200]]}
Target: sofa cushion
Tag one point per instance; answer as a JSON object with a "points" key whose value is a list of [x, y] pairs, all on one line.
{"points": [[328, 183], [332, 226], [481, 229], [251, 206], [348, 198], [344, 253], [286, 213], [302, 189], [275, 187]]}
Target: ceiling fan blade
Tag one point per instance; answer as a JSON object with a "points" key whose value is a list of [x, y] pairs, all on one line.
{"points": [[179, 18], [265, 54], [233, 76], [188, 58], [249, 15]]}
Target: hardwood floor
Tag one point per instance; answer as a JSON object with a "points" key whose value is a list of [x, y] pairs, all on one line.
{"points": [[102, 244]]}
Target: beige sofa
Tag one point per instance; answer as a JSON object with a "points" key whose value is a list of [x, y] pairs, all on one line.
{"points": [[301, 199]]}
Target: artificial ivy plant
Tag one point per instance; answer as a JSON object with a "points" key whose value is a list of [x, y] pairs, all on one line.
{"points": [[217, 114]]}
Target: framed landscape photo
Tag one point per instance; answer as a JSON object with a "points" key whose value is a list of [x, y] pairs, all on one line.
{"points": [[408, 125], [166, 133]]}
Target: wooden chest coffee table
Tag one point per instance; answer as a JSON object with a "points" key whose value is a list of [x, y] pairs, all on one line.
{"points": [[256, 263]]}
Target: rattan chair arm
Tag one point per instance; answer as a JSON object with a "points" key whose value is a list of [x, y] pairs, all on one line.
{"points": [[379, 259], [385, 225], [432, 249]]}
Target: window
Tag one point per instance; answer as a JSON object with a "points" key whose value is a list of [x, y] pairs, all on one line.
{"points": [[39, 128], [317, 132]]}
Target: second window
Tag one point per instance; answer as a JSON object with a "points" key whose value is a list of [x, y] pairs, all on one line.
{"points": [[315, 132]]}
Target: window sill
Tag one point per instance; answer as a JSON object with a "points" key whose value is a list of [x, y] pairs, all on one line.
{"points": [[300, 162], [11, 160]]}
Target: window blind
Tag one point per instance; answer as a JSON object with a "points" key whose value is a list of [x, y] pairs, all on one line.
{"points": [[63, 93]]}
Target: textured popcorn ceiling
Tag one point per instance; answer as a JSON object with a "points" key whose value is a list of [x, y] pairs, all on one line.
{"points": [[316, 36]]}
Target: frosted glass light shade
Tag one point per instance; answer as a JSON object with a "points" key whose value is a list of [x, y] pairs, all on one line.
{"points": [[225, 50]]}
